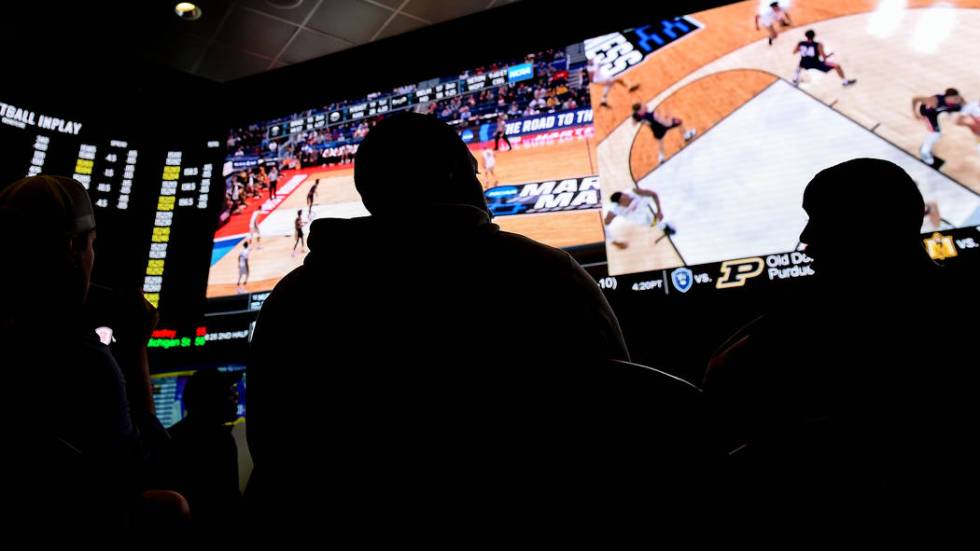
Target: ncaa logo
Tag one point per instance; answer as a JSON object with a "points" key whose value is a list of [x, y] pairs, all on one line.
{"points": [[467, 135], [503, 191], [682, 278]]}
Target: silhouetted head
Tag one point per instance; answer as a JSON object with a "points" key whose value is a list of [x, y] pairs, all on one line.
{"points": [[411, 160], [859, 211], [810, 34], [60, 223], [212, 395]]}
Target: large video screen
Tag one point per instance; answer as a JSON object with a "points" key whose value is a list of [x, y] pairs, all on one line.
{"points": [[678, 149], [528, 122], [703, 168]]}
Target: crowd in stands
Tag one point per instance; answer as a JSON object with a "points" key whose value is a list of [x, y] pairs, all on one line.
{"points": [[249, 140], [247, 185], [551, 90], [379, 410]]}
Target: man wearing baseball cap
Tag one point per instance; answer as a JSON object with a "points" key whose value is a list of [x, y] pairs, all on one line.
{"points": [[71, 412]]}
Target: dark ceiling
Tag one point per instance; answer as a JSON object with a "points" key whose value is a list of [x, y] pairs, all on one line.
{"points": [[243, 37], [232, 38]]}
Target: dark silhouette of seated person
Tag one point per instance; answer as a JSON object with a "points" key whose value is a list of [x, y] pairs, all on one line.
{"points": [[203, 458], [421, 360], [836, 395], [68, 392]]}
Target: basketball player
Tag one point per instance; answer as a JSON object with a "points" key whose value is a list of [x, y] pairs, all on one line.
{"points": [[927, 109], [253, 229], [298, 225], [489, 162], [660, 124], [598, 75], [812, 56], [501, 133], [769, 18], [243, 267], [970, 117], [311, 198], [639, 206]]}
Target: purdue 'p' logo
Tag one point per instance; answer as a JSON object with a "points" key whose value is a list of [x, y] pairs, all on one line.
{"points": [[734, 273], [940, 247]]}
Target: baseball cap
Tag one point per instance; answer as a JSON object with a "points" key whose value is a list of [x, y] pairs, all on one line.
{"points": [[58, 200]]}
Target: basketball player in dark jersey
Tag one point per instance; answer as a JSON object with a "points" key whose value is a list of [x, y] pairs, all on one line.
{"points": [[812, 56], [311, 198], [927, 109], [501, 133], [298, 225], [660, 125]]}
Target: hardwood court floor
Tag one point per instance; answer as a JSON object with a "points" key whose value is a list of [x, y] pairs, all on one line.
{"points": [[895, 53], [336, 196]]}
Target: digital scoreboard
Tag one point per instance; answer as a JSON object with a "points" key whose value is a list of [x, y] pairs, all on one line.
{"points": [[152, 198]]}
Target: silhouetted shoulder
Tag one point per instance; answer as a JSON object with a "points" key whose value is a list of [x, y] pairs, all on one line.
{"points": [[544, 254]]}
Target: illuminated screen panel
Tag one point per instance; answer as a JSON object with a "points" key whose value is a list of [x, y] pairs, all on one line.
{"points": [[528, 122], [44, 143], [704, 133], [152, 203], [733, 122], [168, 394]]}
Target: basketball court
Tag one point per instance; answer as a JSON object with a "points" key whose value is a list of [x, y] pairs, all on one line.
{"points": [[529, 161], [735, 190]]}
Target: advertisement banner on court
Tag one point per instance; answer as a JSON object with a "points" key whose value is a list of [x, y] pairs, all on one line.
{"points": [[530, 125], [552, 196]]}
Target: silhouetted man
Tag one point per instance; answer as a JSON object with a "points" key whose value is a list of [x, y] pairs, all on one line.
{"points": [[86, 450], [422, 363], [203, 458], [836, 400]]}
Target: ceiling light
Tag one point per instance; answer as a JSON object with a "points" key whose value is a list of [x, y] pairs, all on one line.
{"points": [[187, 11]]}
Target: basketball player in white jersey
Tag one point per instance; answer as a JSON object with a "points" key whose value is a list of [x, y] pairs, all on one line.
{"points": [[243, 267], [253, 229], [598, 75], [489, 162], [639, 206], [768, 18]]}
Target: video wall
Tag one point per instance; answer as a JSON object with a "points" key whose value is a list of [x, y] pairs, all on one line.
{"points": [[669, 158]]}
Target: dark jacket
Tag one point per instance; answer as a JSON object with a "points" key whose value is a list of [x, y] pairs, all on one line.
{"points": [[427, 353]]}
